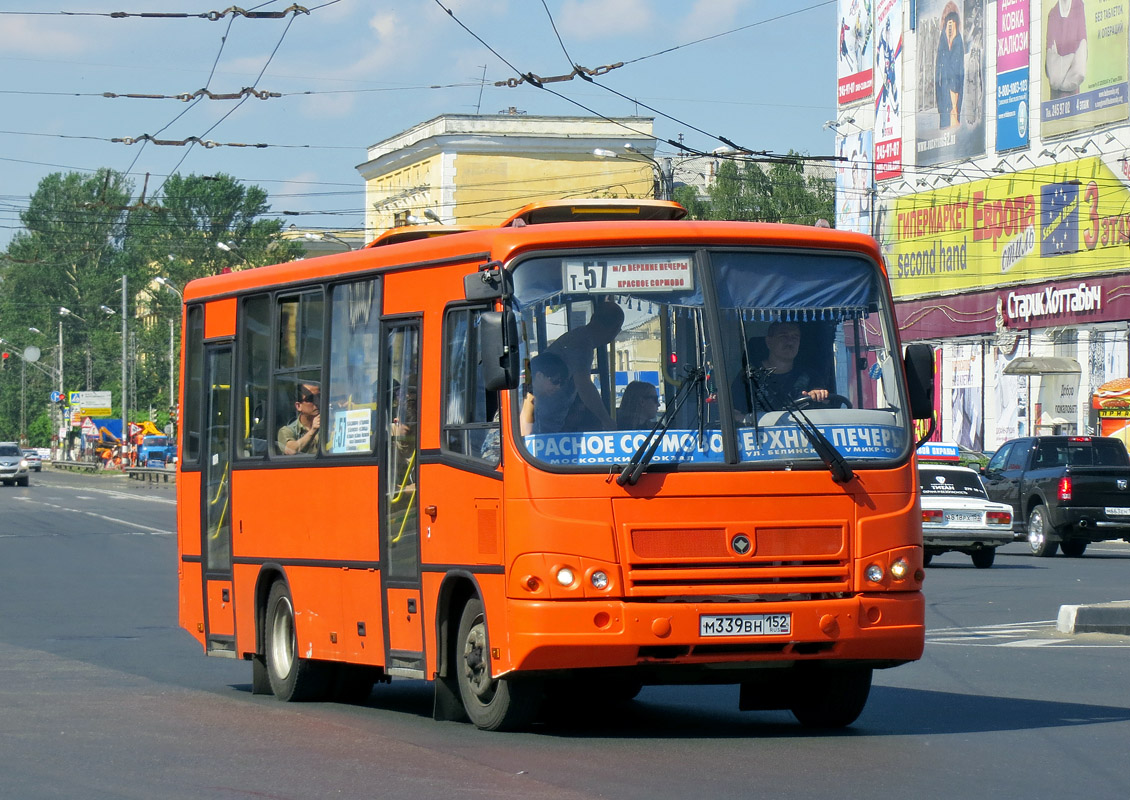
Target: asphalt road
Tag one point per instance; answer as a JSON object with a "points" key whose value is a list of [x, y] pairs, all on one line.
{"points": [[102, 696]]}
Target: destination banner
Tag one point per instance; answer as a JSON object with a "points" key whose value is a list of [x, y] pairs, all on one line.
{"points": [[1049, 222], [767, 443]]}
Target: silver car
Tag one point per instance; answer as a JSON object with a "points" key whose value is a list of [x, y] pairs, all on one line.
{"points": [[34, 462], [957, 515], [13, 465]]}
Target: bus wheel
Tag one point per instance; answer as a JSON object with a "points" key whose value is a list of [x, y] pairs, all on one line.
{"points": [[291, 677], [831, 698], [493, 705]]}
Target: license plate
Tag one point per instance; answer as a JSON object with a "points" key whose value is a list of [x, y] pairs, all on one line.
{"points": [[745, 624], [964, 519], [1117, 511]]}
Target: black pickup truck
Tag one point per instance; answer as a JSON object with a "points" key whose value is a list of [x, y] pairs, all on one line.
{"points": [[1065, 491]]}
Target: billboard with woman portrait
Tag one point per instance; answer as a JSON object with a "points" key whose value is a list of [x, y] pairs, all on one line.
{"points": [[950, 80]]}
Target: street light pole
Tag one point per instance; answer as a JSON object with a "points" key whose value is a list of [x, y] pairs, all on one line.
{"points": [[663, 186], [125, 391], [163, 281]]}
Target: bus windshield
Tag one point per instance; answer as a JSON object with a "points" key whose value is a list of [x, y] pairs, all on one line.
{"points": [[764, 342]]}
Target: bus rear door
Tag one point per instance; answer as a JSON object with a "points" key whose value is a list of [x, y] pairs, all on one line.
{"points": [[400, 504], [215, 516]]}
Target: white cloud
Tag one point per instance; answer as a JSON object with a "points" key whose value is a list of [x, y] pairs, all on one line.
{"points": [[35, 37], [597, 19], [715, 16]]}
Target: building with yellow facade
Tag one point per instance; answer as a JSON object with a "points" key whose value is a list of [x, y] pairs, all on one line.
{"points": [[479, 169]]}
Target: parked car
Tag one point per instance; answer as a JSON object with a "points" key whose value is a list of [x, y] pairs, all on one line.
{"points": [[958, 516], [34, 462], [13, 465], [1065, 491]]}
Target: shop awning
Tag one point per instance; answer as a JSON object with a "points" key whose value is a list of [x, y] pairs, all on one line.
{"points": [[1043, 365]]}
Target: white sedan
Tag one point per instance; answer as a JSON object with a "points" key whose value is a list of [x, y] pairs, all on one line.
{"points": [[957, 515]]}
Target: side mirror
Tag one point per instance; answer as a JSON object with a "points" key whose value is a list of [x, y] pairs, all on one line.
{"points": [[498, 335], [919, 364], [490, 282]]}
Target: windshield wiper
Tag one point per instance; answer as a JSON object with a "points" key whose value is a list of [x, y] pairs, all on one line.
{"points": [[832, 458], [646, 451]]}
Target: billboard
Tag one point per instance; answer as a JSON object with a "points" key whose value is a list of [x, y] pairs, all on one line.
{"points": [[1012, 74], [950, 81], [853, 182], [1047, 223], [1085, 66], [888, 74], [854, 53]]}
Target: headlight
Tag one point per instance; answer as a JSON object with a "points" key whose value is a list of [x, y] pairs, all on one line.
{"points": [[23, 463], [900, 569], [874, 573], [599, 579], [565, 576]]}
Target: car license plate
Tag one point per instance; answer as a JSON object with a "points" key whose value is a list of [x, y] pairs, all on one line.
{"points": [[963, 519], [745, 624], [1117, 511]]}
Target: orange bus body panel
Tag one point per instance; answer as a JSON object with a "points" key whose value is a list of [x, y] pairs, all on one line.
{"points": [[219, 318]]}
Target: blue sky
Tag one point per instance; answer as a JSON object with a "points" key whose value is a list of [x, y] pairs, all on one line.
{"points": [[354, 72]]}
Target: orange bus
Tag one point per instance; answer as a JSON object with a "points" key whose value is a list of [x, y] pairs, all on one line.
{"points": [[595, 448]]}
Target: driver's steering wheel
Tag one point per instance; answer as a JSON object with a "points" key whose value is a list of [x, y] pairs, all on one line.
{"points": [[833, 401]]}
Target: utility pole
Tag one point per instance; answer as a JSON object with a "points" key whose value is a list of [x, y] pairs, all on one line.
{"points": [[125, 414]]}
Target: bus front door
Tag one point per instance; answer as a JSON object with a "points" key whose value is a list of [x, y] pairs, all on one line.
{"points": [[215, 517], [400, 537]]}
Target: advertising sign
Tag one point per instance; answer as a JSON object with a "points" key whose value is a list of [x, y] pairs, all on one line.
{"points": [[888, 106], [1012, 74], [1085, 65], [853, 182], [1048, 222], [854, 53], [951, 81]]}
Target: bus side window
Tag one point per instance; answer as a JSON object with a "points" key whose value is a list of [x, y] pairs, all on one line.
{"points": [[297, 380], [350, 423], [471, 424], [255, 342]]}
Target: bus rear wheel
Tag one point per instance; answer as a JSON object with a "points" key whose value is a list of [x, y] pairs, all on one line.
{"points": [[831, 698], [291, 678], [502, 704]]}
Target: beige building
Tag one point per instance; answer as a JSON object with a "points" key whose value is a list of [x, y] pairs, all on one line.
{"points": [[479, 169]]}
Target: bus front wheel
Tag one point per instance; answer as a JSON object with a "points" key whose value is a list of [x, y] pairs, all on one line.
{"points": [[291, 677], [831, 698], [502, 704]]}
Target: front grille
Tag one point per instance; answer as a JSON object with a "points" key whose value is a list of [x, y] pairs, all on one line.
{"points": [[783, 560]]}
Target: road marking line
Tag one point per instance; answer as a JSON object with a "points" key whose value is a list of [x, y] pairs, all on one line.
{"points": [[142, 529]]}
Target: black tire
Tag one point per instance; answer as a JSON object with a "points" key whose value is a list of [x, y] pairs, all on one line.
{"points": [[1073, 548], [983, 559], [504, 704], [927, 558], [831, 698], [1039, 530], [291, 678]]}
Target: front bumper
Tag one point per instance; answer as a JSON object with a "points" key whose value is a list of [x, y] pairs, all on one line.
{"points": [[880, 628]]}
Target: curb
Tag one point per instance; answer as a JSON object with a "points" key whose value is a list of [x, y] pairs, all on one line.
{"points": [[1098, 618]]}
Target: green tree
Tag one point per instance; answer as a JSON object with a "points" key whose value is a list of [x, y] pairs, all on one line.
{"points": [[778, 192]]}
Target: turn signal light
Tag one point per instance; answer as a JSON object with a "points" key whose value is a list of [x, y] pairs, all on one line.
{"points": [[931, 515], [998, 517], [1065, 487]]}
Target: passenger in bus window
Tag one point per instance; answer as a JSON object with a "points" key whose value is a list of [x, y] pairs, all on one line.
{"points": [[550, 405], [301, 434], [639, 407], [577, 347], [784, 380]]}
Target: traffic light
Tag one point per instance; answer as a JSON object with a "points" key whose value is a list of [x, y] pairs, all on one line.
{"points": [[4, 361]]}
